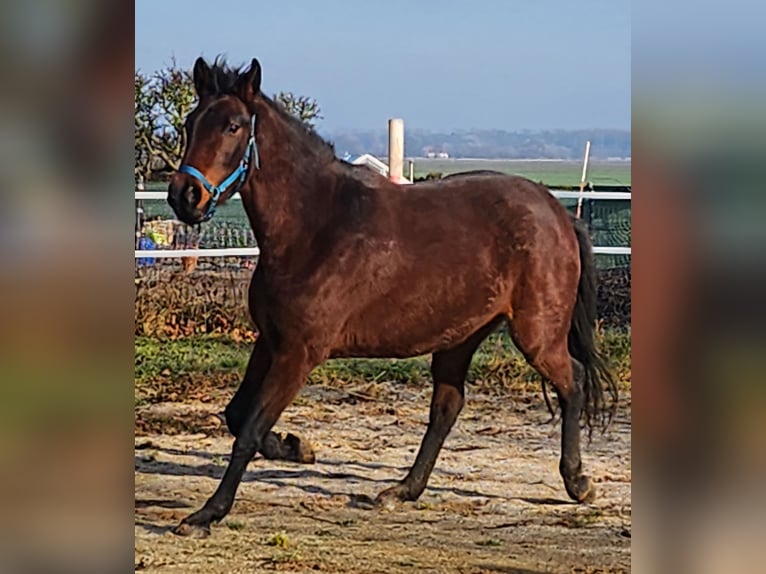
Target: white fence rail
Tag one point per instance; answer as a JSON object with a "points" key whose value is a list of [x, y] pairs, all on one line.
{"points": [[222, 252], [254, 251], [561, 194]]}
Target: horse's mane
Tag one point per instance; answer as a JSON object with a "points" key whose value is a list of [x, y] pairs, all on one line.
{"points": [[225, 79]]}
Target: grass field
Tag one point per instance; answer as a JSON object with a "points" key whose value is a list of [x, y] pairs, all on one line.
{"points": [[497, 360], [550, 172]]}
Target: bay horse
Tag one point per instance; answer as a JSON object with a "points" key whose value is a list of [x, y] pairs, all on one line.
{"points": [[353, 265]]}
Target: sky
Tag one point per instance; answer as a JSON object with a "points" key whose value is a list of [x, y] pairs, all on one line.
{"points": [[440, 65]]}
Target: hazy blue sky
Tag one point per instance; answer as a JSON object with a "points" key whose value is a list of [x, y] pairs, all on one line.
{"points": [[440, 65]]}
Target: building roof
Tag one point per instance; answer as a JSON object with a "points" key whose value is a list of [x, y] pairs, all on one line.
{"points": [[375, 164]]}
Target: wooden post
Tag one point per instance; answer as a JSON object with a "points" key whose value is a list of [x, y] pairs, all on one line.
{"points": [[395, 149], [582, 179], [139, 211], [412, 171]]}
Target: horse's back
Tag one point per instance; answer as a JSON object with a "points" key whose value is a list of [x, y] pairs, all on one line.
{"points": [[448, 256], [485, 204]]}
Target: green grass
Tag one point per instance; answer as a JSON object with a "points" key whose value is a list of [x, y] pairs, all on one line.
{"points": [[553, 172], [231, 212], [489, 542], [279, 539], [497, 363], [207, 355]]}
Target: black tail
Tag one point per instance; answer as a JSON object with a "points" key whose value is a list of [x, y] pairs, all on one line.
{"points": [[598, 381]]}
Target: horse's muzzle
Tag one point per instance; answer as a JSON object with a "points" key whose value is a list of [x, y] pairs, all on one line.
{"points": [[184, 196]]}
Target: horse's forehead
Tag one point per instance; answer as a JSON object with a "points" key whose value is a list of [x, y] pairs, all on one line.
{"points": [[227, 105], [222, 106]]}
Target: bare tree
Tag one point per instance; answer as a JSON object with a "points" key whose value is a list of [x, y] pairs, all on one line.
{"points": [[302, 107], [162, 102]]}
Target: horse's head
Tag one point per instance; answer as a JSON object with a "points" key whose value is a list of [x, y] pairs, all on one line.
{"points": [[220, 141]]}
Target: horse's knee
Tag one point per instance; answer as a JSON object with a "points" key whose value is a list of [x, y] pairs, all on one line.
{"points": [[235, 415]]}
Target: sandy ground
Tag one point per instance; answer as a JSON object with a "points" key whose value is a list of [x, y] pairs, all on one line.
{"points": [[495, 502]]}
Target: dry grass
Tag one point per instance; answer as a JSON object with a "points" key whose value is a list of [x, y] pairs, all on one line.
{"points": [[174, 304]]}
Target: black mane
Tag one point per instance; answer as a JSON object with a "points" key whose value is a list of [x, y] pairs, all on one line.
{"points": [[299, 125], [225, 79]]}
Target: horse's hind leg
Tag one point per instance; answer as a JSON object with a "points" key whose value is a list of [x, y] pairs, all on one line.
{"points": [[449, 369], [579, 487], [544, 344]]}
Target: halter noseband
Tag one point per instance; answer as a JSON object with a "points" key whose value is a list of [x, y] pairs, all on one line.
{"points": [[237, 176]]}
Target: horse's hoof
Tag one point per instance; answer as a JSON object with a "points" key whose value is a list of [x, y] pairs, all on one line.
{"points": [[299, 450], [391, 497], [290, 448], [589, 496], [361, 501], [582, 490], [192, 530]]}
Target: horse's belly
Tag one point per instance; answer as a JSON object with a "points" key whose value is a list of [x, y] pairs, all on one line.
{"points": [[417, 328]]}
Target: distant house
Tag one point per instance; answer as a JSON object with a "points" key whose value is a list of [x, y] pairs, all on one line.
{"points": [[370, 161], [374, 164]]}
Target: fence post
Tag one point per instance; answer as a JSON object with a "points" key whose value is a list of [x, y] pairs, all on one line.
{"points": [[139, 211], [582, 179], [396, 149]]}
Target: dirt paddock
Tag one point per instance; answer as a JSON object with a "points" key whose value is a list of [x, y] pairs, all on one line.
{"points": [[495, 502]]}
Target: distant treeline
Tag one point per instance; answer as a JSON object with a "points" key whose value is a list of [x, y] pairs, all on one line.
{"points": [[553, 144]]}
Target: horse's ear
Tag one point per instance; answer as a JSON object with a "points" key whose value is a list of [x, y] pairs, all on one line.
{"points": [[203, 80], [250, 81]]}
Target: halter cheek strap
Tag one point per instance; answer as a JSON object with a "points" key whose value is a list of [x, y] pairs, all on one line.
{"points": [[237, 177]]}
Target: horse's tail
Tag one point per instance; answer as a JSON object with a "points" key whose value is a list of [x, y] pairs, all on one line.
{"points": [[598, 380]]}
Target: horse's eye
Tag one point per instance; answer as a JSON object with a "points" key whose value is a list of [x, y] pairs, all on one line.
{"points": [[233, 128]]}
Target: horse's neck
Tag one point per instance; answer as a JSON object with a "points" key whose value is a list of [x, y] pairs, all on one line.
{"points": [[290, 195]]}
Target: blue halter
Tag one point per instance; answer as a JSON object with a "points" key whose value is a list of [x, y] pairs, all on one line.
{"points": [[237, 177]]}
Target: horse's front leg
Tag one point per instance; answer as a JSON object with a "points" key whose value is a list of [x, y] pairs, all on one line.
{"points": [[274, 446], [286, 375]]}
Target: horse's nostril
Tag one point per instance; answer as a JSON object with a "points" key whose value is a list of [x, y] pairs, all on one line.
{"points": [[192, 194]]}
